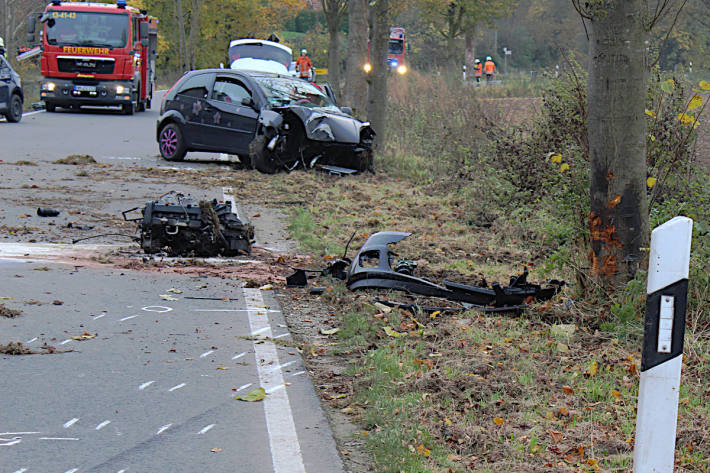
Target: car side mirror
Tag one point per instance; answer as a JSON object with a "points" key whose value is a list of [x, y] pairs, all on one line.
{"points": [[143, 30], [248, 102], [347, 110]]}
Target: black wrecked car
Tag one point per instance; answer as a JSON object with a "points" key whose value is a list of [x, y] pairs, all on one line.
{"points": [[11, 95], [270, 121]]}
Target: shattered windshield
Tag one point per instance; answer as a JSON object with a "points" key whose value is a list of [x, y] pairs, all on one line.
{"points": [[101, 30], [284, 91]]}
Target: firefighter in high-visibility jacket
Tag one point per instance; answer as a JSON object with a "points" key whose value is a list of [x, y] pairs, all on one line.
{"points": [[489, 69], [477, 70], [304, 65]]}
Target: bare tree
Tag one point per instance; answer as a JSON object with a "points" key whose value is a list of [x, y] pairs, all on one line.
{"points": [[335, 11], [377, 83], [616, 99], [355, 78], [182, 45]]}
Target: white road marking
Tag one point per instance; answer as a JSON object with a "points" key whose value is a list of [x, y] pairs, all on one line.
{"points": [[239, 355], [297, 373], [129, 317], [73, 470], [282, 335], [181, 385], [32, 113], [244, 386], [279, 367], [145, 385], [19, 433], [21, 470], [261, 330], [99, 316], [10, 444], [69, 423], [121, 471], [103, 424], [163, 429], [30, 341], [275, 388], [58, 438], [65, 341], [205, 429], [232, 310], [206, 353], [156, 308], [283, 440]]}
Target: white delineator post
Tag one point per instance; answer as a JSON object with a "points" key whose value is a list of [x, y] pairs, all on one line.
{"points": [[662, 356]]}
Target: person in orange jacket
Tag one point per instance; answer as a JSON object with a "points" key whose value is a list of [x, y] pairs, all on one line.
{"points": [[304, 65], [477, 70], [489, 68]]}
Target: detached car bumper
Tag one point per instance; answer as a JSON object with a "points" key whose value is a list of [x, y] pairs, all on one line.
{"points": [[66, 92]]}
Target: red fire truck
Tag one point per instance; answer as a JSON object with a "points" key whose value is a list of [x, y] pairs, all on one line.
{"points": [[96, 54], [395, 51]]}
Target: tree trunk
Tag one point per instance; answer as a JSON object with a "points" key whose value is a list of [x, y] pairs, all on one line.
{"points": [[355, 78], [616, 97], [377, 85], [181, 31], [194, 33], [470, 54], [334, 54]]}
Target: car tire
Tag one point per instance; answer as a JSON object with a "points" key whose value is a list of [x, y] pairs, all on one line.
{"points": [[141, 106], [128, 108], [14, 114], [50, 107], [246, 161], [172, 143], [261, 158]]}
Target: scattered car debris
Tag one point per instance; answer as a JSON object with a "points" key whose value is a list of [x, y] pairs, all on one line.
{"points": [[180, 227], [17, 348], [9, 313], [76, 159], [374, 267], [47, 212]]}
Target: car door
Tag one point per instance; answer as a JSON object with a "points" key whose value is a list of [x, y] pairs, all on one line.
{"points": [[190, 100], [230, 119], [5, 84]]}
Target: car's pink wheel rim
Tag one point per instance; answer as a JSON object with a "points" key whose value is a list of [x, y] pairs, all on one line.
{"points": [[168, 141]]}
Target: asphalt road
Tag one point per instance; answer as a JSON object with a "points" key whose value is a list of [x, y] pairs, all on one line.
{"points": [[103, 133], [153, 391]]}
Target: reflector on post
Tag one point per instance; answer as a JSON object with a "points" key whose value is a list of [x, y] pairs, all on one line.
{"points": [[662, 356]]}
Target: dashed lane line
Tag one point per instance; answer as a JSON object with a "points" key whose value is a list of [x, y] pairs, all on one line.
{"points": [[283, 440], [145, 385], [71, 422], [206, 429], [175, 388]]}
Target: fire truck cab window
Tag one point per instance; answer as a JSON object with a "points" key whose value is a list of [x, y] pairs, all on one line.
{"points": [[196, 86], [99, 30], [396, 46], [229, 91]]}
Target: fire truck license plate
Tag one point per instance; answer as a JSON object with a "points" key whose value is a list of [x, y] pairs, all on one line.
{"points": [[85, 88]]}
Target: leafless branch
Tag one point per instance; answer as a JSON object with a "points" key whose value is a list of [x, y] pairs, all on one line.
{"points": [[668, 33]]}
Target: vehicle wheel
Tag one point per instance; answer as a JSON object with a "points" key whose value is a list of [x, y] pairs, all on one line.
{"points": [[246, 161], [261, 158], [50, 107], [14, 115], [128, 108], [172, 143], [141, 106], [148, 103]]}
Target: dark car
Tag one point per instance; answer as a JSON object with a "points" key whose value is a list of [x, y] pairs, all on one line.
{"points": [[270, 121], [11, 96]]}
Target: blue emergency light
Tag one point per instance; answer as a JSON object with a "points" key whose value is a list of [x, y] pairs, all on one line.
{"points": [[394, 63], [121, 3]]}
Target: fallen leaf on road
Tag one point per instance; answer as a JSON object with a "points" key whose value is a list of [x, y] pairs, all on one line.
{"points": [[84, 336], [58, 302], [222, 368], [175, 291], [254, 396], [167, 297], [266, 287], [215, 450], [331, 331]]}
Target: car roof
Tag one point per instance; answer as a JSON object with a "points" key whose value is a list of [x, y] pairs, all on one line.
{"points": [[237, 72], [238, 42]]}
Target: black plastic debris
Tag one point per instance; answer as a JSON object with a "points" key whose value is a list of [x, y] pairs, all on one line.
{"points": [[47, 212], [179, 226], [374, 267]]}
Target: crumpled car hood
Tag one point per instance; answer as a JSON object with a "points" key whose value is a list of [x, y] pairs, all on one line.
{"points": [[328, 126]]}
